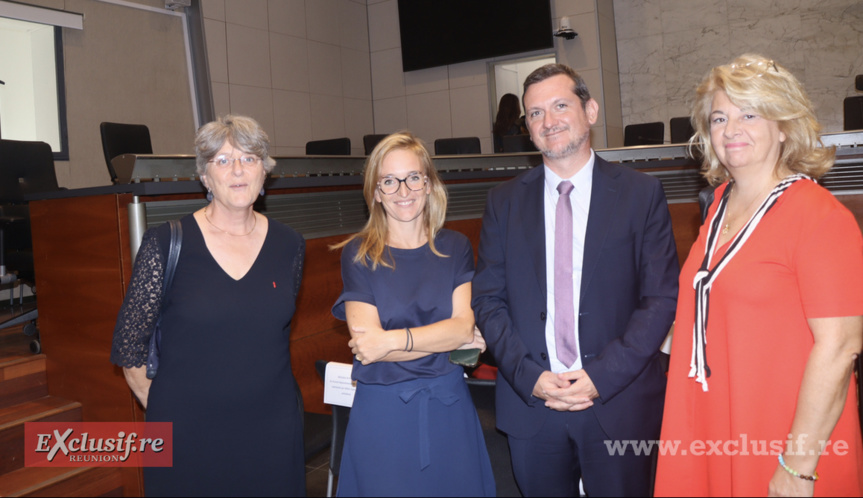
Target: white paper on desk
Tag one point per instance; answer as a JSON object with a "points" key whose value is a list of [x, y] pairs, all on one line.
{"points": [[339, 389]]}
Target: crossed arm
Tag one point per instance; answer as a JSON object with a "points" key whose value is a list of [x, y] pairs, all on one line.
{"points": [[371, 343]]}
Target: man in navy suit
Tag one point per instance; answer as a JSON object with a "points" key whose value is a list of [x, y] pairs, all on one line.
{"points": [[568, 406]]}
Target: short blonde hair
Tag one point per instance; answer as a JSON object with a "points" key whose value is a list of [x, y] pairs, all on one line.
{"points": [[373, 236], [242, 132], [755, 82]]}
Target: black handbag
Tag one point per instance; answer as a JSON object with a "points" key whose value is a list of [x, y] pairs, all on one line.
{"points": [[173, 256]]}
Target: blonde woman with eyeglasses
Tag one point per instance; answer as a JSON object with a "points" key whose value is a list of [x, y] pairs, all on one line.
{"points": [[413, 429], [760, 396], [224, 378]]}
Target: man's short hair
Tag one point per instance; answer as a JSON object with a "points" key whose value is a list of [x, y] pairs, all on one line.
{"points": [[547, 71]]}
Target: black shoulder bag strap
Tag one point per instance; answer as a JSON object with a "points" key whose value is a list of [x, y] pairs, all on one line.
{"points": [[167, 280]]}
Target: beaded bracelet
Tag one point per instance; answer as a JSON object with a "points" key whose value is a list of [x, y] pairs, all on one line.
{"points": [[795, 473]]}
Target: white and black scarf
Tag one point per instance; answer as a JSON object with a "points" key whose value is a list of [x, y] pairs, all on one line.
{"points": [[705, 277]]}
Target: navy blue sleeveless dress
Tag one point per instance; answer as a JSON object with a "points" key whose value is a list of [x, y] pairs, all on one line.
{"points": [[413, 429], [224, 379]]}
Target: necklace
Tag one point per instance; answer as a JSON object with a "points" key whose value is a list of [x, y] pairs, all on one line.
{"points": [[254, 224], [725, 228]]}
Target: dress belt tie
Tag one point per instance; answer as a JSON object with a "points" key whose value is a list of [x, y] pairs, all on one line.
{"points": [[424, 394]]}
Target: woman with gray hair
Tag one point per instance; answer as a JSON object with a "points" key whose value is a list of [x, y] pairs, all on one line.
{"points": [[224, 377]]}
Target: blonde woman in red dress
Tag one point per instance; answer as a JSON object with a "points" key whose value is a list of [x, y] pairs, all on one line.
{"points": [[760, 393]]}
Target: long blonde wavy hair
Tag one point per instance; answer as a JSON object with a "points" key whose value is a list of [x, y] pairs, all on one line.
{"points": [[756, 82], [374, 235]]}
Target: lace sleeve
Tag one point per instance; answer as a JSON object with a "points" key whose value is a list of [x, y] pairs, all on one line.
{"points": [[298, 265], [141, 306]]}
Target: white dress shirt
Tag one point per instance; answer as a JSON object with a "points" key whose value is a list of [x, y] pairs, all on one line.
{"points": [[580, 199]]}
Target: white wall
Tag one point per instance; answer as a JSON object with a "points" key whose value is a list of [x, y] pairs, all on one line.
{"points": [[127, 65], [509, 78], [300, 67], [28, 100], [45, 86], [17, 95], [313, 69], [666, 47], [456, 100], [506, 81]]}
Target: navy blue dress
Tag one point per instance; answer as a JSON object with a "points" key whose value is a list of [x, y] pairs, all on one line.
{"points": [[413, 429], [224, 379]]}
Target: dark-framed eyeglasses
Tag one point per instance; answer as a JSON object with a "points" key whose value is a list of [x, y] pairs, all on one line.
{"points": [[390, 184], [245, 160]]}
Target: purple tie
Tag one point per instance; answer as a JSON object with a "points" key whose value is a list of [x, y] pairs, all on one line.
{"points": [[564, 319]]}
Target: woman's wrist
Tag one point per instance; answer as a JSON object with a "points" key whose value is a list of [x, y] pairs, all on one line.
{"points": [[409, 340], [794, 471], [396, 340], [800, 457]]}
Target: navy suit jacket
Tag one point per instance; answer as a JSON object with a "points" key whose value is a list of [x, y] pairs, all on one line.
{"points": [[628, 298]]}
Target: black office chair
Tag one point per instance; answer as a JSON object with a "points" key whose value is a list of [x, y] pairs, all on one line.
{"points": [[853, 113], [681, 130], [644, 134], [330, 147], [705, 199], [25, 168], [341, 415], [518, 143], [371, 141], [456, 146], [121, 138]]}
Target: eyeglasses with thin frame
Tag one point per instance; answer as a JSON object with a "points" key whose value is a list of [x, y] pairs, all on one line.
{"points": [[390, 184], [245, 160]]}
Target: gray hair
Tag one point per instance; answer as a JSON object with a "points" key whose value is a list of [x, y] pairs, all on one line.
{"points": [[242, 132]]}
